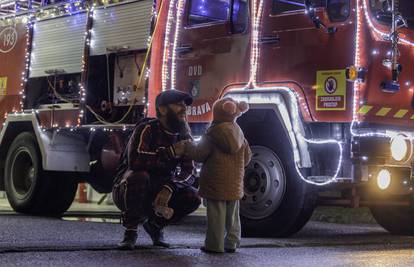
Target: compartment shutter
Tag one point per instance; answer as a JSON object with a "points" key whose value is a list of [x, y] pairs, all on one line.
{"points": [[125, 25], [58, 44]]}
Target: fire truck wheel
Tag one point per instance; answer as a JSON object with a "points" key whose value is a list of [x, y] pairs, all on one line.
{"points": [[396, 220], [276, 202], [61, 193], [29, 188]]}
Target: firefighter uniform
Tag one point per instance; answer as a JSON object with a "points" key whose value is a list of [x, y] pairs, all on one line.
{"points": [[150, 166]]}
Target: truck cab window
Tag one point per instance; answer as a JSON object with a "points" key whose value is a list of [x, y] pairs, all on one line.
{"points": [[239, 16], [207, 11], [338, 10], [381, 11], [282, 6]]}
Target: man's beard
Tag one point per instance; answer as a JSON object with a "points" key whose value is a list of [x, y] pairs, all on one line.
{"points": [[176, 125]]}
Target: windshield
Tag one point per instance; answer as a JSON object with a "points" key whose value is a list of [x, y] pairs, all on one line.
{"points": [[380, 10], [206, 11]]}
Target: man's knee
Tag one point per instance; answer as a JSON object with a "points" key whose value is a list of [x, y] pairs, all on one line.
{"points": [[138, 177], [136, 182], [132, 189]]}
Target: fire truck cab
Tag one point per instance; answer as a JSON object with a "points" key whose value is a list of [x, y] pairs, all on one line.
{"points": [[330, 89]]}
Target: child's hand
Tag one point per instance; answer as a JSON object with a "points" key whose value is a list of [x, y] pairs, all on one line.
{"points": [[179, 148]]}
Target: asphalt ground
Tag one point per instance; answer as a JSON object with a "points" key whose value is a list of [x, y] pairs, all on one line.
{"points": [[88, 233], [40, 241]]}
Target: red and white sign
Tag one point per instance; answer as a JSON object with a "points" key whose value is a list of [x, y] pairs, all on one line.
{"points": [[8, 39]]}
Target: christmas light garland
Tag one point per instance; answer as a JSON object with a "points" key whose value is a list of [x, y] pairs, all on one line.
{"points": [[294, 97], [166, 54], [38, 14], [357, 62]]}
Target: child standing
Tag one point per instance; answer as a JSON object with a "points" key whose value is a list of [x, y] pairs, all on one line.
{"points": [[224, 152]]}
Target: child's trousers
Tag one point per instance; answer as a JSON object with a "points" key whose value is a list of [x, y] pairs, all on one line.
{"points": [[223, 225]]}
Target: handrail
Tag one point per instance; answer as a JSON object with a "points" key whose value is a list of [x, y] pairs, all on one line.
{"points": [[13, 8]]}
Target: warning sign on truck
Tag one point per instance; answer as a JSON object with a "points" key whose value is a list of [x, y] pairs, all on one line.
{"points": [[331, 90], [3, 85]]}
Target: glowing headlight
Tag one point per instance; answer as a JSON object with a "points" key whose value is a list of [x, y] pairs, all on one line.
{"points": [[400, 147], [384, 179]]}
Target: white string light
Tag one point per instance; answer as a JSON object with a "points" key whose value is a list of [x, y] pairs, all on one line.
{"points": [[176, 37], [90, 12], [25, 73], [166, 55], [27, 20], [45, 13], [255, 48], [255, 53], [357, 63]]}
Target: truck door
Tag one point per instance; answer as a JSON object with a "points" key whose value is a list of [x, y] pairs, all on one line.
{"points": [[389, 106], [213, 51], [298, 51]]}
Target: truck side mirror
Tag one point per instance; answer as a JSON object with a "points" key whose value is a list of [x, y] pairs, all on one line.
{"points": [[310, 10], [338, 10], [239, 16]]}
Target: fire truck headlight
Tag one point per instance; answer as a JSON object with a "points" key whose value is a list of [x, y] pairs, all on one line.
{"points": [[384, 179], [400, 147]]}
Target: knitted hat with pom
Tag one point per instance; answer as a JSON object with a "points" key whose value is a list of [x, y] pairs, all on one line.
{"points": [[228, 110]]}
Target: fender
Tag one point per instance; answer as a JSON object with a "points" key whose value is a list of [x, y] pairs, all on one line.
{"points": [[283, 102], [60, 150]]}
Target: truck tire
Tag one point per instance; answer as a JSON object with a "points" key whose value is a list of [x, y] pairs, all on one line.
{"points": [[62, 193], [396, 220], [28, 187], [277, 203]]}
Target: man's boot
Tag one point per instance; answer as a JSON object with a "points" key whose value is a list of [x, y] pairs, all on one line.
{"points": [[128, 243], [156, 233]]}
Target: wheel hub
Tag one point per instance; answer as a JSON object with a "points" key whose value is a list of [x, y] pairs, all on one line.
{"points": [[23, 173], [264, 184], [252, 182]]}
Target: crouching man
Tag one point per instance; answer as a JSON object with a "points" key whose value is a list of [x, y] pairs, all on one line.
{"points": [[155, 187]]}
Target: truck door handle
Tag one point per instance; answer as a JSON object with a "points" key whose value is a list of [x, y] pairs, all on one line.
{"points": [[269, 40], [185, 49]]}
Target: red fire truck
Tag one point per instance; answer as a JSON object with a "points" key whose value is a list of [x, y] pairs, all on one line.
{"points": [[329, 83]]}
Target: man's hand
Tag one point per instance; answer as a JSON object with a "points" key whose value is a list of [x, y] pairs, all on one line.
{"points": [[179, 148], [163, 197]]}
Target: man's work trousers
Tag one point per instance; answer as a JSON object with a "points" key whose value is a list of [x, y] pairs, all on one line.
{"points": [[223, 225], [135, 194]]}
